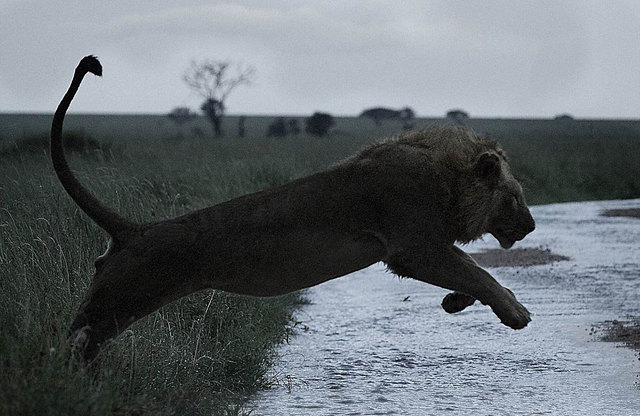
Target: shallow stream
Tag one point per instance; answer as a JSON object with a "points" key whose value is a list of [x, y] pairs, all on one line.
{"points": [[373, 344]]}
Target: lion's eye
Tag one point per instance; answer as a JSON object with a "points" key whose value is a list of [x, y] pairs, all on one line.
{"points": [[515, 202]]}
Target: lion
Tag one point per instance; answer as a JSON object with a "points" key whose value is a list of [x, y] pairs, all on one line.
{"points": [[404, 201]]}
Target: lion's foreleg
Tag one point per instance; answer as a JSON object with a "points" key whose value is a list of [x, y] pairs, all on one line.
{"points": [[452, 269], [457, 301]]}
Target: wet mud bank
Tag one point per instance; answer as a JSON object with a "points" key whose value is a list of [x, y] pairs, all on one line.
{"points": [[627, 332], [517, 257], [622, 212]]}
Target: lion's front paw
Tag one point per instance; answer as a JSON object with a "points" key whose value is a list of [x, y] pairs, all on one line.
{"points": [[511, 312], [455, 302]]}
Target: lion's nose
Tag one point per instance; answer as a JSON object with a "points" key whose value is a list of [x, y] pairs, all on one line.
{"points": [[532, 226]]}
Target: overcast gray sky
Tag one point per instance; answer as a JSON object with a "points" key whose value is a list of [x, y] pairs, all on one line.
{"points": [[500, 58]]}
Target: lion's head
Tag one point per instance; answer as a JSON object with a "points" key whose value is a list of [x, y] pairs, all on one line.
{"points": [[485, 197], [500, 207], [509, 219]]}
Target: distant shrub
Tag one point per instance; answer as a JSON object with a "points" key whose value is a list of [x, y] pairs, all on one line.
{"points": [[378, 114], [294, 127], [181, 115], [75, 142], [458, 116], [277, 128], [319, 124], [407, 113], [563, 117]]}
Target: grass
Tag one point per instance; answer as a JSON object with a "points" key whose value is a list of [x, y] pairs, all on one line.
{"points": [[200, 355], [74, 142], [565, 166], [204, 353]]}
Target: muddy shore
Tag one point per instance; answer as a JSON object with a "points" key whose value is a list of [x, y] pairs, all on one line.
{"points": [[627, 332], [624, 212], [517, 257]]}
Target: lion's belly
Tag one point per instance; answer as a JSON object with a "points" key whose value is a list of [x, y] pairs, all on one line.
{"points": [[286, 262]]}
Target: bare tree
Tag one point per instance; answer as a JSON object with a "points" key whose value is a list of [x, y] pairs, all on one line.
{"points": [[214, 81]]}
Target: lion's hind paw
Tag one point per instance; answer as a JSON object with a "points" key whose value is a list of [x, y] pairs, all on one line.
{"points": [[456, 301]]}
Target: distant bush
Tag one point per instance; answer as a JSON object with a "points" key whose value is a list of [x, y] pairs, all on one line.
{"points": [[319, 124], [563, 117], [378, 114], [181, 115], [458, 116], [75, 142], [294, 127], [277, 128]]}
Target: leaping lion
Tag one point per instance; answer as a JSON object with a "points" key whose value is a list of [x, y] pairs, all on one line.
{"points": [[404, 202]]}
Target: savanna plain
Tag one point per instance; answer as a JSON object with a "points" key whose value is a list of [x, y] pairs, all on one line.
{"points": [[205, 353]]}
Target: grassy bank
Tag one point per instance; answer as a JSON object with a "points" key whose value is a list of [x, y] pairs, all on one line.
{"points": [[201, 355]]}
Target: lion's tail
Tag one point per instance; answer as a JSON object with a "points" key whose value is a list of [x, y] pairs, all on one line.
{"points": [[105, 218]]}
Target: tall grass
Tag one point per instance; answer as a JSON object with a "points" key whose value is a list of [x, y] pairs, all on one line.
{"points": [[575, 167], [204, 353], [200, 355]]}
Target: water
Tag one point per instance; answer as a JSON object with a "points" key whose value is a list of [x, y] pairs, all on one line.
{"points": [[367, 351]]}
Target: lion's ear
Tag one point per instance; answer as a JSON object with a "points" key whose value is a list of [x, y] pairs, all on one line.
{"points": [[488, 165]]}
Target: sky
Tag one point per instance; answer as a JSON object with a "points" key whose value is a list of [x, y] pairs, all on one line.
{"points": [[491, 58]]}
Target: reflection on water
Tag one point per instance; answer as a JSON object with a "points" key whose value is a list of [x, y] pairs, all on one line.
{"points": [[368, 351]]}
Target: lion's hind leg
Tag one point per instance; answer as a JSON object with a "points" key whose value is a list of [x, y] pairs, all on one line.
{"points": [[456, 302]]}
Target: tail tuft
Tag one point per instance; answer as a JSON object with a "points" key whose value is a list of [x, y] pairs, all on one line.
{"points": [[91, 64]]}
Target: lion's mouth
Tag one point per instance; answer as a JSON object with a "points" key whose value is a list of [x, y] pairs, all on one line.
{"points": [[505, 242], [507, 238]]}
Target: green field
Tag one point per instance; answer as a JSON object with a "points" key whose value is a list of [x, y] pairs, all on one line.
{"points": [[203, 354]]}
